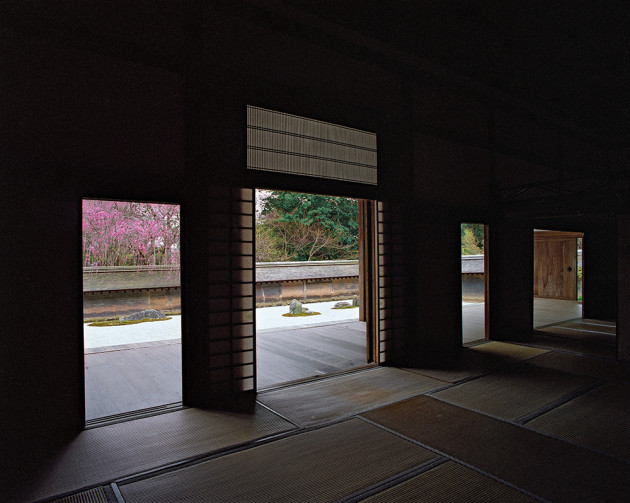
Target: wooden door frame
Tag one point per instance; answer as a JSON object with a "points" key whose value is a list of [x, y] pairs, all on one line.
{"points": [[368, 275], [486, 281]]}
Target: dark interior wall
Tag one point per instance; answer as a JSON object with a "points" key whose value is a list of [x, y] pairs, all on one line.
{"points": [[433, 302], [94, 123], [271, 52], [527, 137], [450, 173], [619, 160], [41, 372], [77, 124]]}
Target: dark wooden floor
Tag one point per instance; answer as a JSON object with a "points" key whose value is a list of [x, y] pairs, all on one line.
{"points": [[133, 378], [136, 378], [299, 353], [473, 322]]}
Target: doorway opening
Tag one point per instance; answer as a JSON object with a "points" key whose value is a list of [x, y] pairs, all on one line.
{"points": [[559, 274], [474, 281], [131, 309], [557, 277], [314, 285]]}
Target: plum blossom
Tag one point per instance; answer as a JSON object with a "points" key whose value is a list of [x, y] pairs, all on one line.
{"points": [[124, 233]]}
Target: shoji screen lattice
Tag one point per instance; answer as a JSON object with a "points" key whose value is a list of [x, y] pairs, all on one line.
{"points": [[290, 144], [232, 351], [391, 276]]}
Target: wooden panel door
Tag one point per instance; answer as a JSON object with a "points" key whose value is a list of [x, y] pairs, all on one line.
{"points": [[555, 268]]}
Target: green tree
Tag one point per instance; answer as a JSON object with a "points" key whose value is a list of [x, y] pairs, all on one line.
{"points": [[308, 227], [472, 239], [269, 245]]}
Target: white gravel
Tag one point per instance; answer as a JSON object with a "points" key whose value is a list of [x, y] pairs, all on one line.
{"points": [[271, 317], [97, 337], [266, 318]]}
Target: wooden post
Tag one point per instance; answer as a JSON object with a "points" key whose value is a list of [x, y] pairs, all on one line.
{"points": [[368, 274]]}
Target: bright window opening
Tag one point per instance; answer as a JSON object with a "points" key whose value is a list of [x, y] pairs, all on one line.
{"points": [[473, 282], [310, 313], [131, 307]]}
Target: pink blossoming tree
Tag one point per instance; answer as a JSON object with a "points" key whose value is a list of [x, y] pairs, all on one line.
{"points": [[121, 233]]}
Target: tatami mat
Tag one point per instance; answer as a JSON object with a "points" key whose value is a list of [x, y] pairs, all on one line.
{"points": [[321, 465], [583, 322], [103, 454], [597, 367], [96, 495], [450, 483], [455, 367], [473, 361], [594, 326], [582, 334], [514, 393], [585, 330], [586, 325], [603, 323], [506, 351], [599, 419], [341, 396], [549, 468], [558, 342]]}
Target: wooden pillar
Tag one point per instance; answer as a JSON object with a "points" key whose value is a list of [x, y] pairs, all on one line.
{"points": [[364, 249], [368, 275], [510, 296], [600, 268]]}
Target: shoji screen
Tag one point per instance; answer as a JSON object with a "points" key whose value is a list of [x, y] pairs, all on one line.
{"points": [[391, 275], [243, 290], [290, 144], [231, 351]]}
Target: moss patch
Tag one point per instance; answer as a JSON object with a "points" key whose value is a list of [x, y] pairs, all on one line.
{"points": [[289, 315], [345, 307], [109, 318], [118, 323]]}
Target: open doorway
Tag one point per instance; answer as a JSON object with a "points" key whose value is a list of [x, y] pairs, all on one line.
{"points": [[557, 277], [474, 280], [559, 273], [131, 308], [313, 301]]}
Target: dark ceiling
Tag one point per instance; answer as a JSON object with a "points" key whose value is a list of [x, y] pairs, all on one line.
{"points": [[568, 57], [571, 58]]}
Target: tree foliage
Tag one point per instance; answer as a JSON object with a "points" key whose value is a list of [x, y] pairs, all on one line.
{"points": [[472, 239], [300, 227], [121, 233]]}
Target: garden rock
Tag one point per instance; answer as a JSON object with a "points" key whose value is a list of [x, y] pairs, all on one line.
{"points": [[151, 314], [295, 307], [341, 304], [355, 301]]}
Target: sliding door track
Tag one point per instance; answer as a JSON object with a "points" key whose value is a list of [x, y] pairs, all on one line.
{"points": [[134, 414]]}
